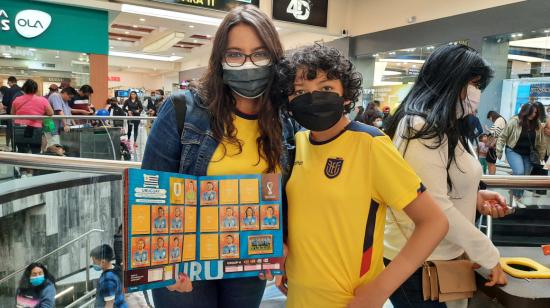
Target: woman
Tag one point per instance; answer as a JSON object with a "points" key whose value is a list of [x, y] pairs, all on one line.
{"points": [[429, 129], [29, 132], [499, 123], [372, 117], [522, 141], [133, 107], [233, 127], [36, 288]]}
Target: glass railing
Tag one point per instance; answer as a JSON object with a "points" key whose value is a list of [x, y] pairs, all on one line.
{"points": [[47, 216], [98, 137], [56, 217]]}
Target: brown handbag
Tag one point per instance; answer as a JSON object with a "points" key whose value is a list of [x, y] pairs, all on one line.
{"points": [[445, 280]]}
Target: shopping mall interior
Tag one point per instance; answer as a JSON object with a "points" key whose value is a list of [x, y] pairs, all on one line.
{"points": [[99, 72]]}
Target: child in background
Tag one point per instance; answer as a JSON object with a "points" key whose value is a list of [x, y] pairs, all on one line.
{"points": [[482, 150], [109, 287]]}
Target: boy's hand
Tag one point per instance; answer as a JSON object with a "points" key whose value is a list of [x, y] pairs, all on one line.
{"points": [[368, 296], [182, 285]]}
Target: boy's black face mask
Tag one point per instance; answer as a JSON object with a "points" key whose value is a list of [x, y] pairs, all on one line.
{"points": [[317, 111]]}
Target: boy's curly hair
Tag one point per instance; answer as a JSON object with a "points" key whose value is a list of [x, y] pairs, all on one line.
{"points": [[321, 58]]}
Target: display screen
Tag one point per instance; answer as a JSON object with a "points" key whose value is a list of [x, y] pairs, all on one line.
{"points": [[308, 12], [121, 93], [220, 5]]}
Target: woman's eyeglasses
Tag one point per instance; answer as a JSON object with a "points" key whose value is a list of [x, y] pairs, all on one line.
{"points": [[236, 59]]}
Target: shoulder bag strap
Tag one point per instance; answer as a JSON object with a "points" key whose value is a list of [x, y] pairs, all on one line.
{"points": [[180, 105]]}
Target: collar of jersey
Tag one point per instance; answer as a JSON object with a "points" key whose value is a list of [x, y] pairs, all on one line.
{"points": [[245, 115], [313, 142]]}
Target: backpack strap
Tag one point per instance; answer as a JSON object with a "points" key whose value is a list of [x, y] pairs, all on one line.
{"points": [[180, 105]]}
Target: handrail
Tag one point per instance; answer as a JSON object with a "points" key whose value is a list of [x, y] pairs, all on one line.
{"points": [[117, 167], [48, 162], [76, 117], [51, 253], [82, 298], [516, 181]]}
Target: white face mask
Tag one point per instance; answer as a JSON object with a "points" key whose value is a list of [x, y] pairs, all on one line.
{"points": [[471, 102], [378, 124]]}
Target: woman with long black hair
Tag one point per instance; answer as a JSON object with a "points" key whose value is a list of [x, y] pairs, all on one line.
{"points": [[133, 107], [522, 141], [429, 129], [36, 288], [233, 125]]}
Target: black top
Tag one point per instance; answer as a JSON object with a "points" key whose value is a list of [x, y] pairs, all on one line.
{"points": [[526, 142], [134, 108], [10, 96]]}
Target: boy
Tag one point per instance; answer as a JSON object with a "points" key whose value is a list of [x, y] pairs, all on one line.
{"points": [[109, 288], [482, 150], [345, 176]]}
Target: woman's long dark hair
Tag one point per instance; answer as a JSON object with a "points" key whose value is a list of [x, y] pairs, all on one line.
{"points": [[24, 283], [219, 97], [129, 99], [436, 97], [524, 113]]}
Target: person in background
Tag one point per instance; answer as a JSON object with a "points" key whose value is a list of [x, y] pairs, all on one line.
{"points": [[60, 105], [193, 85], [499, 123], [372, 117], [7, 100], [36, 288], [482, 150], [64, 84], [30, 104], [81, 104], [473, 127], [359, 113], [133, 107], [430, 130], [109, 287], [329, 223], [522, 141], [53, 89], [159, 99], [116, 109]]}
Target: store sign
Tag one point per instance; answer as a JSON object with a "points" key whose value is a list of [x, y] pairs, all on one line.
{"points": [[221, 5], [114, 78], [32, 23], [38, 24], [308, 12], [540, 90]]}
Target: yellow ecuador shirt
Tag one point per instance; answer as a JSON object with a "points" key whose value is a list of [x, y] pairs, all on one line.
{"points": [[227, 159], [337, 198]]}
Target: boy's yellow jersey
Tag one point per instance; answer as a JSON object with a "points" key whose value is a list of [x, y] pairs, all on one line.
{"points": [[337, 198]]}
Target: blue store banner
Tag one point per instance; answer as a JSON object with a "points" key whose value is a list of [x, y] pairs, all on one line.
{"points": [[540, 90]]}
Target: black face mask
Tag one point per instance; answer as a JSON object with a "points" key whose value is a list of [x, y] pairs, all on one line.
{"points": [[317, 111]]}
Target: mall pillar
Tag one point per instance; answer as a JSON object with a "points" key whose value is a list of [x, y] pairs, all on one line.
{"points": [[99, 73], [496, 53], [365, 65]]}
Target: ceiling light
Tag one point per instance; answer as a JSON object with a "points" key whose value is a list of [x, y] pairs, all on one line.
{"points": [[391, 73], [5, 54], [208, 36], [142, 19], [526, 58], [119, 39], [520, 34], [194, 41], [164, 43], [173, 53], [414, 66], [57, 57], [126, 32], [513, 35], [392, 53], [546, 31], [191, 26], [147, 11], [111, 47], [32, 49], [134, 26], [143, 56]]}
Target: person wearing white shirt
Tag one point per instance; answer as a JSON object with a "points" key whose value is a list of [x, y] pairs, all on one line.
{"points": [[430, 131]]}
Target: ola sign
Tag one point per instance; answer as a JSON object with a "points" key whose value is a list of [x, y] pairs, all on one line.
{"points": [[28, 23], [32, 23]]}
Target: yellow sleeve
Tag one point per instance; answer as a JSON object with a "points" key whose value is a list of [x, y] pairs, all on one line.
{"points": [[395, 182]]}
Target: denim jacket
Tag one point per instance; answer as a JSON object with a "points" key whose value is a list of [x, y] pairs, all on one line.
{"points": [[191, 153]]}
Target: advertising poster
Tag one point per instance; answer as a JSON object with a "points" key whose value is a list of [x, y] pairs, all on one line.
{"points": [[212, 227]]}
